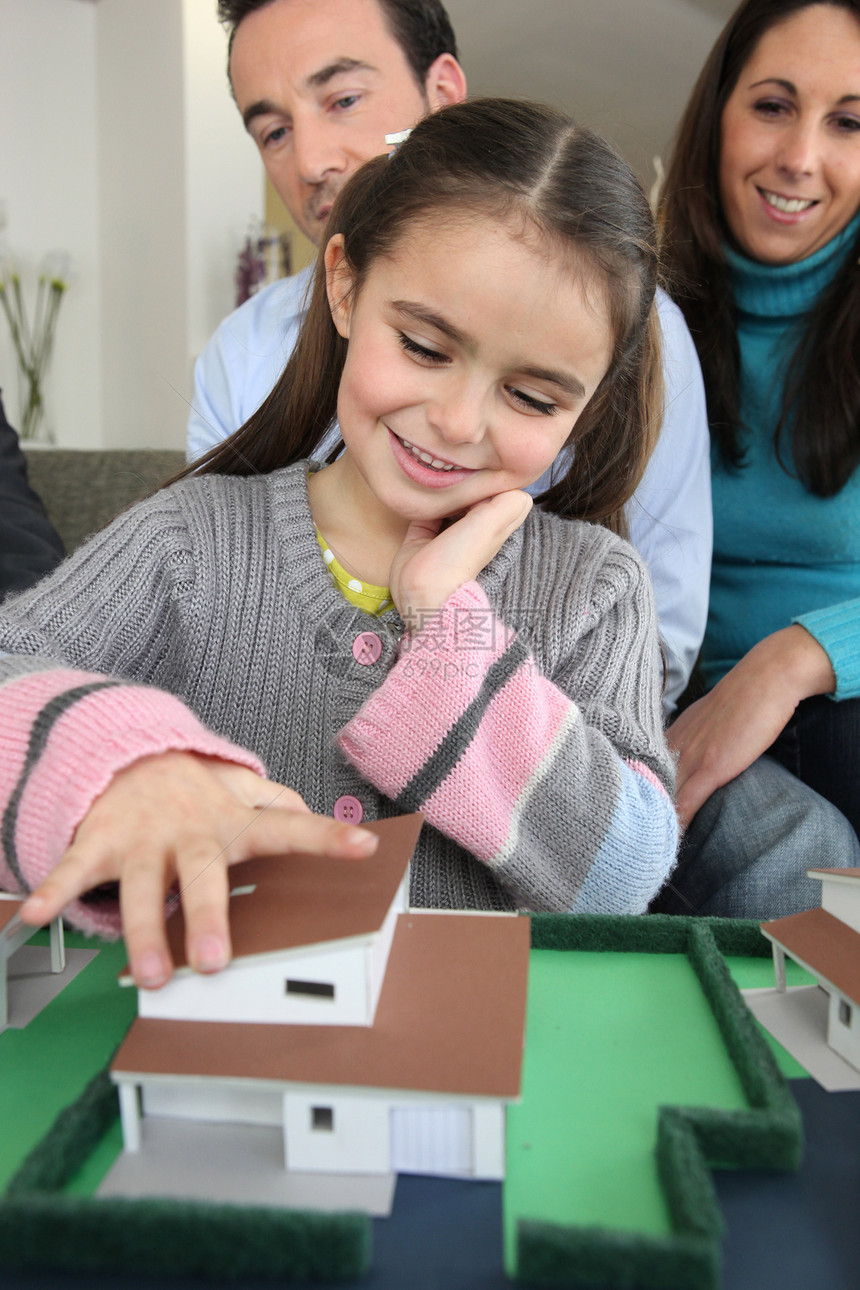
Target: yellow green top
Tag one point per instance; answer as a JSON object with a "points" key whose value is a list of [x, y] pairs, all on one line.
{"points": [[364, 595]]}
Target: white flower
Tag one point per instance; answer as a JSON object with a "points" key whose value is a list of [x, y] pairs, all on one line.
{"points": [[32, 334], [58, 268]]}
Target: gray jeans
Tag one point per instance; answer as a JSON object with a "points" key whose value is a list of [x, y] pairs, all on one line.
{"points": [[746, 852]]}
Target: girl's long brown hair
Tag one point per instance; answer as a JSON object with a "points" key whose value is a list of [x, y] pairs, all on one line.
{"points": [[518, 161], [820, 415]]}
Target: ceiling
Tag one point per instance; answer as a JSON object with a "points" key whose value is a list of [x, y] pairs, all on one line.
{"points": [[624, 67]]}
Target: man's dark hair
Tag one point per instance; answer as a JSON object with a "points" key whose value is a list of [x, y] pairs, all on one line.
{"points": [[421, 28]]}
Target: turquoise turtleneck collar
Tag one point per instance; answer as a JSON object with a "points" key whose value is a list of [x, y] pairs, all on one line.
{"points": [[786, 290]]}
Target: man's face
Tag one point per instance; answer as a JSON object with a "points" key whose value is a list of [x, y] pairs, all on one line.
{"points": [[319, 84]]}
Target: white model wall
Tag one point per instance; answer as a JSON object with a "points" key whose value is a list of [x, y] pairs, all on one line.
{"points": [[842, 900], [119, 143]]}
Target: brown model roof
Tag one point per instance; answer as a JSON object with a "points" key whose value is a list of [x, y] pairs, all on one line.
{"points": [[826, 946], [302, 899], [450, 1019], [837, 873], [8, 910]]}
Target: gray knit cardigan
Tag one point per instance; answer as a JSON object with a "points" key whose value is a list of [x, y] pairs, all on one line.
{"points": [[525, 721]]}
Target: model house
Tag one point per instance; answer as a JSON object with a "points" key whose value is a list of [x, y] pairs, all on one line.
{"points": [[14, 934], [826, 942], [377, 1039], [299, 955]]}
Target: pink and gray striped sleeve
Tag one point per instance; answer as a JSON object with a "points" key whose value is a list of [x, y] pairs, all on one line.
{"points": [[66, 734], [500, 759]]}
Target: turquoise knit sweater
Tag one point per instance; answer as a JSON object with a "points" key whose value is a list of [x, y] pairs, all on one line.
{"points": [[781, 554]]}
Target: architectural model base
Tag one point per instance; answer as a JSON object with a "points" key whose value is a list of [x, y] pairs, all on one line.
{"points": [[14, 934], [236, 1164], [797, 1018], [45, 1227], [31, 984]]}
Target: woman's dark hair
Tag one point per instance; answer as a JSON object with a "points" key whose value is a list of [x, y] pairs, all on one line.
{"points": [[529, 165], [421, 28], [820, 413]]}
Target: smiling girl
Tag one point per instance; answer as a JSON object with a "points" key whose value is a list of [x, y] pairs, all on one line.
{"points": [[396, 630]]}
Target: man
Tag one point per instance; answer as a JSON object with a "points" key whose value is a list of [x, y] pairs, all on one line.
{"points": [[319, 84]]}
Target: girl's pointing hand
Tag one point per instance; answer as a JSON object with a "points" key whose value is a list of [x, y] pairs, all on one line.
{"points": [[183, 818]]}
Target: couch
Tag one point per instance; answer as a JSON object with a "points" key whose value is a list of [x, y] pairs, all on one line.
{"points": [[83, 490]]}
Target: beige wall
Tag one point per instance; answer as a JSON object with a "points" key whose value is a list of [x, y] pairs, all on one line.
{"points": [[119, 144], [48, 183]]}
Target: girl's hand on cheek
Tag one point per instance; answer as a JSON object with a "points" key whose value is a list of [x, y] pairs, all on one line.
{"points": [[431, 565], [184, 818]]}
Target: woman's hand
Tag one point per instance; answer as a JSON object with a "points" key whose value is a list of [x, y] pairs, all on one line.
{"points": [[723, 733], [185, 818], [431, 565]]}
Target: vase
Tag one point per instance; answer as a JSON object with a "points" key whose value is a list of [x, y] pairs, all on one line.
{"points": [[32, 424]]}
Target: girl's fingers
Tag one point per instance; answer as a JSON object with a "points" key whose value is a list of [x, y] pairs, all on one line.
{"points": [[505, 511], [420, 532], [473, 539], [141, 895], [486, 527], [204, 884], [279, 832], [70, 878], [198, 816], [204, 890]]}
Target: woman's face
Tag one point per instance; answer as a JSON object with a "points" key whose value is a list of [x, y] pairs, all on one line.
{"points": [[790, 137]]}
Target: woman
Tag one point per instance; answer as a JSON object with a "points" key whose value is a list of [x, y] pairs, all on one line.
{"points": [[762, 233]]}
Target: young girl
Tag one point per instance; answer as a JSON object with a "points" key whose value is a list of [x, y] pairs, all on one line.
{"points": [[396, 630]]}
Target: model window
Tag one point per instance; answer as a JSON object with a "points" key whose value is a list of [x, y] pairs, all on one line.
{"points": [[845, 1012], [316, 989], [322, 1118]]}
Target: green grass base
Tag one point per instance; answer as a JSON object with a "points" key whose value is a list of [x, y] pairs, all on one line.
{"points": [[690, 1140], [45, 1223]]}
